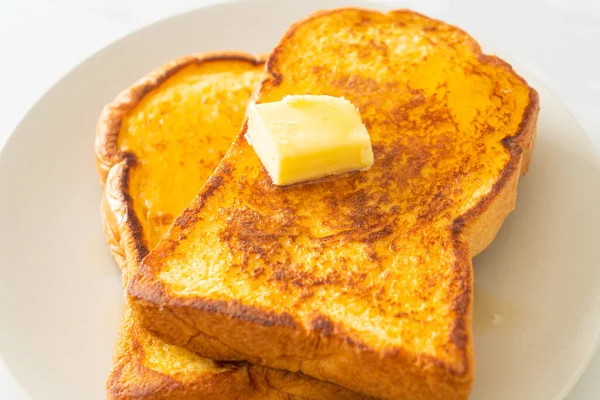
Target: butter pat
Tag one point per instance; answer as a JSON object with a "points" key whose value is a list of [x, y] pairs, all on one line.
{"points": [[305, 137]]}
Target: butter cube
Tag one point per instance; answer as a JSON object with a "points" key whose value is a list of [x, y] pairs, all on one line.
{"points": [[305, 137]]}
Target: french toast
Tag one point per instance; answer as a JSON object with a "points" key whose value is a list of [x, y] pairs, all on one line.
{"points": [[157, 143], [364, 279]]}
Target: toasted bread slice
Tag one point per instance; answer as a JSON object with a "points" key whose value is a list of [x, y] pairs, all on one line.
{"points": [[365, 279], [156, 145]]}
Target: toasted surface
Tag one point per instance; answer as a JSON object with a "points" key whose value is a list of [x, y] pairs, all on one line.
{"points": [[364, 279], [157, 143]]}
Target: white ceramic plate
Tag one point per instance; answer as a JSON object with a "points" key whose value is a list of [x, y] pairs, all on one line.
{"points": [[537, 294]]}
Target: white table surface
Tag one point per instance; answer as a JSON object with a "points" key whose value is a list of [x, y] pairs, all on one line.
{"points": [[558, 40]]}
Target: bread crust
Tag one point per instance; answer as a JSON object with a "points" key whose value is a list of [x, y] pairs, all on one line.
{"points": [[240, 332], [131, 377]]}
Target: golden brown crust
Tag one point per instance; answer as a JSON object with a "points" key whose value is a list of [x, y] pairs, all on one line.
{"points": [[481, 223], [111, 232], [131, 377], [239, 331]]}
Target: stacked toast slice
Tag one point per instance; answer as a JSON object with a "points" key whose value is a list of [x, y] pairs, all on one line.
{"points": [[363, 280]]}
